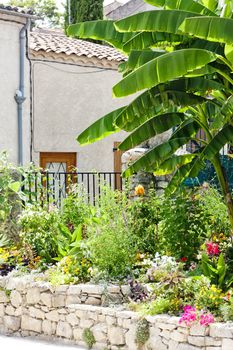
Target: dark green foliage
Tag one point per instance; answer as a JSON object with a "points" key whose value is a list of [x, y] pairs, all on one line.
{"points": [[145, 216], [82, 11]]}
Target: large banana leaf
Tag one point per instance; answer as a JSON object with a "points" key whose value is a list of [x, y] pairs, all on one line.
{"points": [[138, 57], [100, 30], [154, 157], [209, 28], [101, 128], [218, 142], [167, 21], [162, 69], [152, 102], [174, 162], [186, 5], [229, 53], [146, 40], [151, 128], [210, 4]]}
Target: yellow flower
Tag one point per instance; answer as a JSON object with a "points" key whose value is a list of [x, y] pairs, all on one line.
{"points": [[139, 190]]}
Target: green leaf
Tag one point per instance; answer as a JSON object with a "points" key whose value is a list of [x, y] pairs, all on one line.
{"points": [[209, 28], [229, 53], [210, 4], [151, 128], [155, 72], [146, 40], [138, 57], [186, 5], [180, 175], [221, 268], [154, 157], [77, 234], [15, 186], [167, 21], [218, 141], [153, 101], [172, 163], [101, 128], [100, 30]]}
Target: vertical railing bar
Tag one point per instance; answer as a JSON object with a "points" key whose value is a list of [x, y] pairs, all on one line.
{"points": [[93, 185]]}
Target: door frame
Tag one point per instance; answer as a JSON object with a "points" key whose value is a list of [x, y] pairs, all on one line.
{"points": [[70, 158]]}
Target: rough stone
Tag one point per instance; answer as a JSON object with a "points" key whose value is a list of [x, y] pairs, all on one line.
{"points": [[111, 320], [59, 300], [155, 343], [31, 324], [10, 310], [220, 330], [195, 340], [2, 310], [199, 330], [72, 319], [52, 316], [78, 334], [33, 296], [36, 313], [64, 330], [130, 338], [227, 344], [209, 341], [84, 323], [116, 336], [46, 299], [73, 299], [100, 333], [15, 298], [3, 297], [12, 322], [47, 327], [93, 301], [180, 337]]}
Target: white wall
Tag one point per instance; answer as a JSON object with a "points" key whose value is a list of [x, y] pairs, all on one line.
{"points": [[68, 98], [9, 83]]}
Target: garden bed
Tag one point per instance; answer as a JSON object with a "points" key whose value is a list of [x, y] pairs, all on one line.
{"points": [[76, 314]]}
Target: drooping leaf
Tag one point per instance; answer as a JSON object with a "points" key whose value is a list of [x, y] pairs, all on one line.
{"points": [[177, 179], [154, 157], [152, 102], [156, 71], [210, 28], [138, 57], [186, 5], [221, 268], [151, 128], [101, 128], [210, 4], [229, 53], [99, 30], [144, 40], [15, 186], [224, 136], [167, 21], [172, 163]]}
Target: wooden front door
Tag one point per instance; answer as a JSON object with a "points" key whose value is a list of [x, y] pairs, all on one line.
{"points": [[117, 165], [57, 166]]}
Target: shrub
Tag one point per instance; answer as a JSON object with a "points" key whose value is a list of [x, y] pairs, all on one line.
{"points": [[142, 332], [88, 338], [145, 216], [39, 229]]}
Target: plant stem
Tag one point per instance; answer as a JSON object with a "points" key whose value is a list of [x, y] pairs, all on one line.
{"points": [[224, 187]]}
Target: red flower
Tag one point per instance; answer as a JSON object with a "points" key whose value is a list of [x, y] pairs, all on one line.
{"points": [[212, 248], [184, 259]]}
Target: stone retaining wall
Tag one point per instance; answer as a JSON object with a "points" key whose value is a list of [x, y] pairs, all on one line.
{"points": [[30, 308]]}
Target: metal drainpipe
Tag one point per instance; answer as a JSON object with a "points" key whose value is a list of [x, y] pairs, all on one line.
{"points": [[19, 94]]}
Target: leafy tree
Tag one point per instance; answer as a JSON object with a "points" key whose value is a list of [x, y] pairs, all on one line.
{"points": [[46, 9], [83, 10], [187, 82]]}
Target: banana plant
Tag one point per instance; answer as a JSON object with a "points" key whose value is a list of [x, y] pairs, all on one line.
{"points": [[180, 64]]}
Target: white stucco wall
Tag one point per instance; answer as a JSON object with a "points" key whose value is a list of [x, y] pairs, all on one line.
{"points": [[68, 98], [9, 83]]}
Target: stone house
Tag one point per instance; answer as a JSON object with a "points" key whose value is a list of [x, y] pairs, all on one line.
{"points": [[52, 87]]}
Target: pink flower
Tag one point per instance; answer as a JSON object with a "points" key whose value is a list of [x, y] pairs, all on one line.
{"points": [[212, 248], [206, 319], [189, 315], [184, 259]]}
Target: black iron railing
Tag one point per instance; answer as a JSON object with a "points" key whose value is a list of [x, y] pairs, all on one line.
{"points": [[51, 187]]}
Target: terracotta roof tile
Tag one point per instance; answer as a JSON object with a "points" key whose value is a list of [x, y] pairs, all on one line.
{"points": [[59, 43], [20, 10]]}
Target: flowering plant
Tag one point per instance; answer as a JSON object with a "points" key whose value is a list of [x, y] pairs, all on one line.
{"points": [[191, 315], [212, 248]]}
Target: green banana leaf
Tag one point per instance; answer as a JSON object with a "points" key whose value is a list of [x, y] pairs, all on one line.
{"points": [[229, 53], [137, 112], [100, 30], [156, 71], [186, 5], [101, 128], [210, 4], [146, 40], [174, 162], [157, 155], [209, 28], [138, 57], [167, 21], [151, 128], [180, 175], [224, 136]]}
